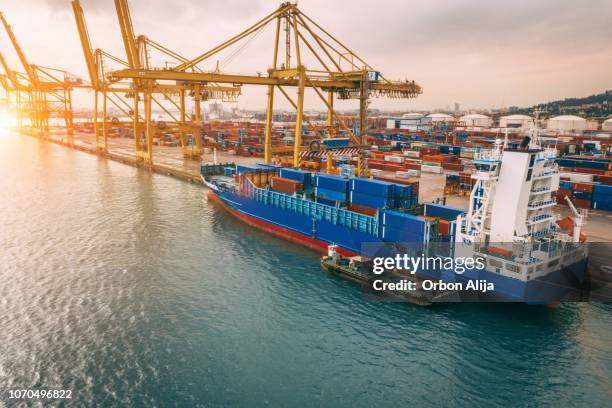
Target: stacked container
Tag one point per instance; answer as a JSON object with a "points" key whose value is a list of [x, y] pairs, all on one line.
{"points": [[303, 177], [581, 193], [286, 185], [331, 187], [372, 193], [602, 197], [401, 227]]}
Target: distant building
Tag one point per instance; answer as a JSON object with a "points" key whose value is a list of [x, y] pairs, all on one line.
{"points": [[476, 120], [607, 125], [516, 121], [410, 121], [442, 121]]}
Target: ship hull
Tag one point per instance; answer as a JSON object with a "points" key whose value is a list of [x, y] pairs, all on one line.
{"points": [[317, 235]]}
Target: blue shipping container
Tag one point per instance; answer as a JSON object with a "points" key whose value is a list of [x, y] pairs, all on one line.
{"points": [[602, 205], [582, 195], [304, 177], [402, 191], [330, 194], [602, 189], [395, 219], [331, 182], [336, 142], [229, 171], [245, 168], [414, 234], [370, 200], [331, 203], [443, 211], [372, 187]]}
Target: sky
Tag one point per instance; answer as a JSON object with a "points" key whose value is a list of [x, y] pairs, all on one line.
{"points": [[480, 54]]}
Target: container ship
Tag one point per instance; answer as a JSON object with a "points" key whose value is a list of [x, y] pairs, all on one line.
{"points": [[531, 256]]}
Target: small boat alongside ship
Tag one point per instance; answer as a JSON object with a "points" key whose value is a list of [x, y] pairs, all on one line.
{"points": [[529, 256], [359, 270]]}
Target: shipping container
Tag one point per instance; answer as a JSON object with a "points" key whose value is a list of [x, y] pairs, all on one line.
{"points": [[286, 185], [373, 187], [362, 209], [331, 182], [402, 227], [330, 194], [582, 195], [305, 177], [245, 168], [369, 200], [443, 211], [602, 205], [604, 179], [579, 203]]}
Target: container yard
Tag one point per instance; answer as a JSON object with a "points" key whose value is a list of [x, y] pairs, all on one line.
{"points": [[265, 208]]}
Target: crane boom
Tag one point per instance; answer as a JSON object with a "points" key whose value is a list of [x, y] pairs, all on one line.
{"points": [[127, 33], [30, 71], [9, 74], [92, 68]]}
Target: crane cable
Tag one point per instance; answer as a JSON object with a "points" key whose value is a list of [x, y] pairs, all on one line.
{"points": [[239, 50]]}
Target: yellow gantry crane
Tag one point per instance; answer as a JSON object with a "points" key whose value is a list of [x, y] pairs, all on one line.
{"points": [[337, 72], [145, 93], [17, 94], [115, 94], [49, 90]]}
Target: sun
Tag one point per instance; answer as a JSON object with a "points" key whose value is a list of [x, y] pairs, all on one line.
{"points": [[6, 119]]}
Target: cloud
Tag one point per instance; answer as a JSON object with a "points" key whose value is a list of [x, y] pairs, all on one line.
{"points": [[476, 52]]}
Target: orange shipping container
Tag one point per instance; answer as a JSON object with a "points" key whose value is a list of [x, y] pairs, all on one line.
{"points": [[500, 251], [285, 185]]}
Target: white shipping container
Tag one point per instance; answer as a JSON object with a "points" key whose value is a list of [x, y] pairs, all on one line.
{"points": [[394, 158], [431, 169], [411, 153], [578, 177], [376, 172], [407, 174]]}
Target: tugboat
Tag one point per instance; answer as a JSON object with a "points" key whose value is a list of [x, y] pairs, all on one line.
{"points": [[359, 269]]}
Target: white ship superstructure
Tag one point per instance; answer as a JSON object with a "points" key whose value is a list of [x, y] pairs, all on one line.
{"points": [[510, 219]]}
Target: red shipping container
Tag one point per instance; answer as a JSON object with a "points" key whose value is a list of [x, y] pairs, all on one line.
{"points": [[579, 203], [398, 181], [605, 179], [585, 187], [452, 166], [362, 209], [412, 166], [562, 192], [285, 185], [443, 226]]}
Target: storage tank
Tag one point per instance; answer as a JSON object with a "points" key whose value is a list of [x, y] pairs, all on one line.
{"points": [[567, 123], [413, 115], [441, 118], [476, 120], [607, 125], [411, 122], [516, 121]]}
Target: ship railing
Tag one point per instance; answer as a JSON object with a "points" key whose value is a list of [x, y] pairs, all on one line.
{"points": [[311, 209], [542, 203], [545, 174]]}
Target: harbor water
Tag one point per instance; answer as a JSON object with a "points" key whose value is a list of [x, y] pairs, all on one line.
{"points": [[128, 287]]}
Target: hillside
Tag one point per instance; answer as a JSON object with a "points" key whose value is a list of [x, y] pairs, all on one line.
{"points": [[593, 106]]}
